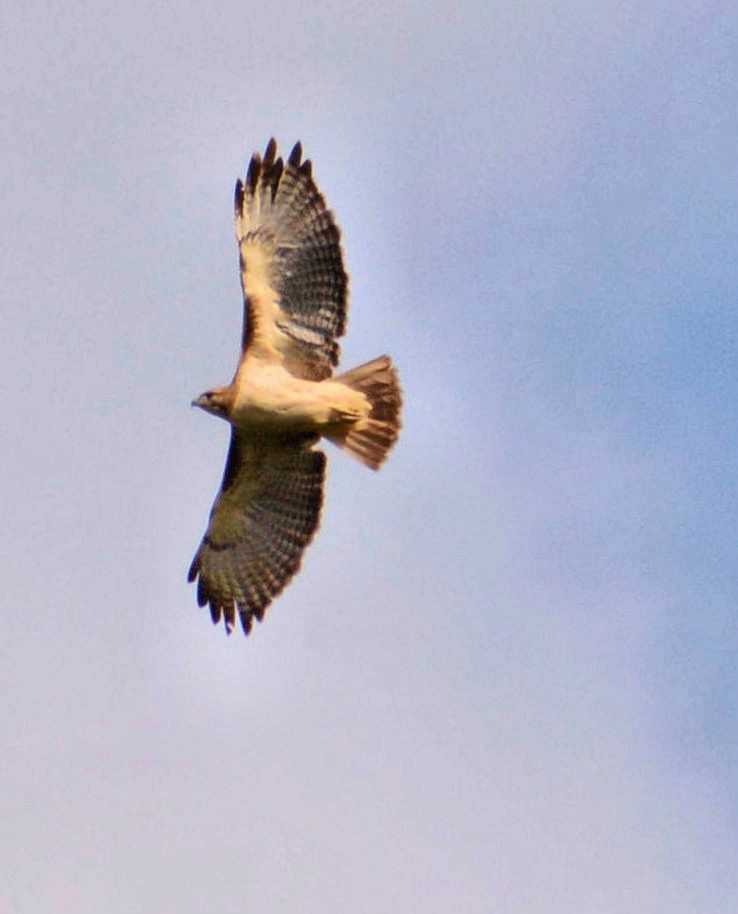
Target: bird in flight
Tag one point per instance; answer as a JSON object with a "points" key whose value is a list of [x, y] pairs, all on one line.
{"points": [[283, 397]]}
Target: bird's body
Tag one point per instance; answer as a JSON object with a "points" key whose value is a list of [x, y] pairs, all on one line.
{"points": [[268, 398], [283, 397]]}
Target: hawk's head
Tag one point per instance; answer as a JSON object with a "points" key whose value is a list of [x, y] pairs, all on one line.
{"points": [[217, 401]]}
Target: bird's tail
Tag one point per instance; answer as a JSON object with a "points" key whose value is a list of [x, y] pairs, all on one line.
{"points": [[369, 440]]}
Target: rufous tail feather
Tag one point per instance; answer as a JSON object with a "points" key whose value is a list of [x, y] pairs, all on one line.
{"points": [[369, 440]]}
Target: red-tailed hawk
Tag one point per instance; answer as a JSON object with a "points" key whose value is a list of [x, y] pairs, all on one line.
{"points": [[283, 397]]}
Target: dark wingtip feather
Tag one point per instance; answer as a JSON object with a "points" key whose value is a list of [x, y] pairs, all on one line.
{"points": [[194, 568], [307, 168], [245, 618], [270, 153], [252, 175], [238, 198], [296, 155], [276, 176]]}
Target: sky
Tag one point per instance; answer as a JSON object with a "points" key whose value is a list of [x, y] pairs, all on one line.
{"points": [[505, 679]]}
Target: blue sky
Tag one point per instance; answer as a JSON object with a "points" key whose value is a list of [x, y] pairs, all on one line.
{"points": [[505, 678]]}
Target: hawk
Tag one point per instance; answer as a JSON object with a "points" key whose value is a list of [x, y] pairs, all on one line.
{"points": [[283, 397]]}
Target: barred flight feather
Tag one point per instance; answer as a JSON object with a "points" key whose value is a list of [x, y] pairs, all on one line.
{"points": [[281, 212]]}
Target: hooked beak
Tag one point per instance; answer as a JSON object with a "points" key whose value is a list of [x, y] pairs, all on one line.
{"points": [[199, 401]]}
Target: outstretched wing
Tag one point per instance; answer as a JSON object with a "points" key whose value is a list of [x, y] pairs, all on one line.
{"points": [[265, 515], [294, 283]]}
